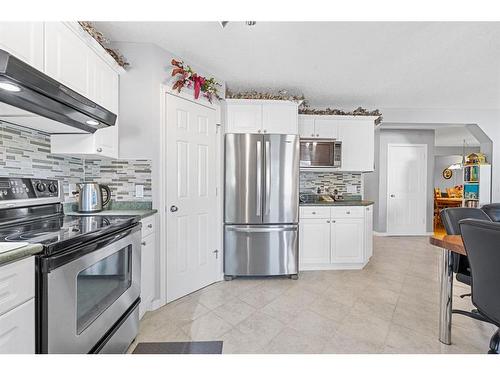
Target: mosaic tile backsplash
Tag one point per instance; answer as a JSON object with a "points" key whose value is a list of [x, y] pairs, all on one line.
{"points": [[26, 153], [329, 181]]}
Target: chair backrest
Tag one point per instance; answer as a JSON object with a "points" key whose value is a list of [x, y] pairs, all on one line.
{"points": [[437, 193], [492, 210], [482, 244], [451, 216]]}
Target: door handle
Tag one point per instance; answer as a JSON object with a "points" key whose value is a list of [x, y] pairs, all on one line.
{"points": [[267, 157], [393, 196], [263, 230], [174, 208], [258, 197]]}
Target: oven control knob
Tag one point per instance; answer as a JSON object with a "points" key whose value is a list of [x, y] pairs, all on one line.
{"points": [[52, 188], [40, 187]]}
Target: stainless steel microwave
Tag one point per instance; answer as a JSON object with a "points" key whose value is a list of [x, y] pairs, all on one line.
{"points": [[320, 153]]}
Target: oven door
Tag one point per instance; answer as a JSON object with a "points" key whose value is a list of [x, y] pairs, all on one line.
{"points": [[88, 295]]}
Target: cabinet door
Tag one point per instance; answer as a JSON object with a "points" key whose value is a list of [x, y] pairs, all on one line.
{"points": [[17, 329], [314, 241], [326, 128], [244, 118], [347, 240], [368, 245], [105, 92], [147, 273], [306, 126], [23, 40], [279, 118], [67, 58], [357, 138]]}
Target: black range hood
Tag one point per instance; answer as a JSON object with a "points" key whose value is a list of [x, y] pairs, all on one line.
{"points": [[26, 88]]}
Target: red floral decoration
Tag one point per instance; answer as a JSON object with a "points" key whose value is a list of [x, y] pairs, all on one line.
{"points": [[190, 79]]}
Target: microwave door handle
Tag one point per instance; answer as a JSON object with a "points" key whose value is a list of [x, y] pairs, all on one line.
{"points": [[258, 179], [267, 158]]}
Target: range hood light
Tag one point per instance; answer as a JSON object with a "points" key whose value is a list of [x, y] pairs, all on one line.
{"points": [[92, 122], [9, 87]]}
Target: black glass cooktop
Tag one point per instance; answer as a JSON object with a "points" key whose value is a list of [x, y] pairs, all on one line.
{"points": [[59, 232]]}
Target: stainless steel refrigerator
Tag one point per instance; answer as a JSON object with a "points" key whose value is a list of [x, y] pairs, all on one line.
{"points": [[261, 205]]}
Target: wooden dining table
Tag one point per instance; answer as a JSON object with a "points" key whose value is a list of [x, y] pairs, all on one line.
{"points": [[449, 244], [450, 202]]}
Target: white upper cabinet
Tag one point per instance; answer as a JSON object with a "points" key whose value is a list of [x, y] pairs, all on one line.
{"points": [[23, 40], [76, 60], [357, 134], [326, 128], [261, 116], [244, 117], [67, 58], [280, 118], [358, 146], [306, 126]]}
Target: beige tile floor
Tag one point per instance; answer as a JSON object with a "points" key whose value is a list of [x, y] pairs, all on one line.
{"points": [[391, 306]]}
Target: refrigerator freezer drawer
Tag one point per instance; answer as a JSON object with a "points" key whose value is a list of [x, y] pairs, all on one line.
{"points": [[251, 250]]}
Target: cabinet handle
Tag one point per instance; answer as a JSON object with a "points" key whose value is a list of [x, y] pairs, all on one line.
{"points": [[258, 131], [150, 226], [99, 149], [143, 243], [314, 212], [333, 221], [348, 212], [265, 131], [317, 135], [328, 221], [312, 135]]}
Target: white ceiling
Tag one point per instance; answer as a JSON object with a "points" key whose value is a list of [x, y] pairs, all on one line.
{"points": [[341, 64]]}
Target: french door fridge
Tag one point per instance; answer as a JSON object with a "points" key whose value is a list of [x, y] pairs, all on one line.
{"points": [[261, 204]]}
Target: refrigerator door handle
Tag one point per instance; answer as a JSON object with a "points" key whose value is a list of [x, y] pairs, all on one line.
{"points": [[263, 230], [259, 179], [267, 157]]}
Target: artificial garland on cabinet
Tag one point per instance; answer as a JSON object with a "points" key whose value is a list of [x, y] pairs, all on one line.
{"points": [[187, 77], [104, 42]]}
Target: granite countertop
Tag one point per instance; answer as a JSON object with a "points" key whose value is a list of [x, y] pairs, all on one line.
{"points": [[20, 253], [117, 212], [116, 208], [339, 203]]}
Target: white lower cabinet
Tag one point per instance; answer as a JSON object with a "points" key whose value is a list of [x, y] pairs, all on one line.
{"points": [[148, 246], [347, 237], [17, 307], [17, 329], [314, 241], [340, 238]]}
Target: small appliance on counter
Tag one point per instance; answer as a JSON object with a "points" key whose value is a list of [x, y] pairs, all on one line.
{"points": [[90, 197]]}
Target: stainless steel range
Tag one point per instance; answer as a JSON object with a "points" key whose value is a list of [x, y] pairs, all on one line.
{"points": [[88, 275]]}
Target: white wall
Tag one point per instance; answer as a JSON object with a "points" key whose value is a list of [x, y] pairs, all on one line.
{"points": [[140, 111], [375, 184]]}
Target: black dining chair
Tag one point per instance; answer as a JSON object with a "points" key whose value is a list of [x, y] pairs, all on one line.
{"points": [[492, 210], [450, 218], [482, 244]]}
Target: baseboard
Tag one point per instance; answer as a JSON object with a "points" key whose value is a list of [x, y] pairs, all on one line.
{"points": [[333, 267], [156, 304]]}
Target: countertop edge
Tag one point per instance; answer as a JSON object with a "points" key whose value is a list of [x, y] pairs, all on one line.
{"points": [[20, 253], [141, 213], [339, 204]]}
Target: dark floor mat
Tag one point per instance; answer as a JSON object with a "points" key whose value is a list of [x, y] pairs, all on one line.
{"points": [[189, 347]]}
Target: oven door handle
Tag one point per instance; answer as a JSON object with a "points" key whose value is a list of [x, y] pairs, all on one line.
{"points": [[57, 260]]}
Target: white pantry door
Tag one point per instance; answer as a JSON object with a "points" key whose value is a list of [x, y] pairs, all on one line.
{"points": [[192, 262], [406, 189]]}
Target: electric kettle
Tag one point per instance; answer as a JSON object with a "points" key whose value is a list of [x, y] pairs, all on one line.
{"points": [[90, 197]]}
